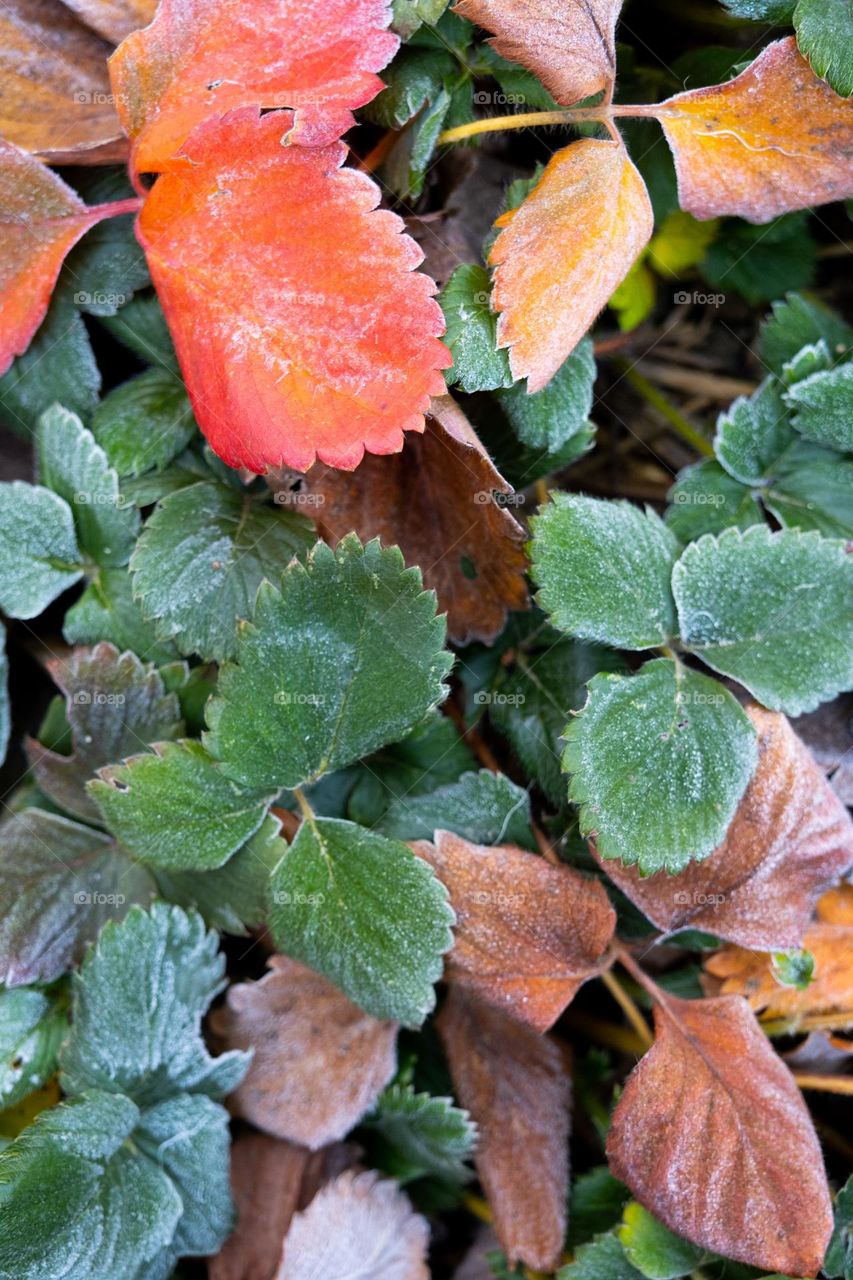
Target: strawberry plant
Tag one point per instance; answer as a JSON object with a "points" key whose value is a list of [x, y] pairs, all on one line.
{"points": [[426, 645]]}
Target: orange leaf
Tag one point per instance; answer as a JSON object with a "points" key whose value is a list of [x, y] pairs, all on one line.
{"points": [[568, 44], [836, 905], [515, 1083], [40, 219], [713, 1138], [790, 838], [55, 97], [471, 549], [750, 974], [773, 139], [302, 1030], [301, 326], [562, 254], [202, 58], [527, 934], [114, 19]]}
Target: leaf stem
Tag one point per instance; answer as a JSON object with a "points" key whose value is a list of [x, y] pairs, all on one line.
{"points": [[665, 408], [824, 1084], [628, 1007], [115, 208], [604, 114], [304, 807]]}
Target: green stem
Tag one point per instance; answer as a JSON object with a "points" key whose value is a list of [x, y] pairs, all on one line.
{"points": [[665, 408]]}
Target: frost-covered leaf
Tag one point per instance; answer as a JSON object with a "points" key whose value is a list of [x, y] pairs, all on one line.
{"points": [[58, 367], [527, 934], [366, 913], [753, 433], [107, 267], [825, 35], [59, 883], [706, 499], [114, 19], [73, 465], [515, 1083], [795, 322], [838, 1263], [772, 610], [32, 1027], [814, 358], [39, 556], [811, 490], [823, 407], [601, 1259], [758, 262], [471, 335], [790, 838], [138, 1001], [5, 710], [201, 558], [653, 1249], [669, 740], [604, 570], [304, 1030], [144, 423], [419, 1135], [557, 413], [140, 325], [481, 806], [107, 611], [596, 1204], [346, 656], [115, 706], [174, 808]]}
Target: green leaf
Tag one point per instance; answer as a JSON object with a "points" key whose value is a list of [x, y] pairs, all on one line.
{"points": [[776, 11], [753, 433], [420, 1135], [366, 913], [814, 358], [519, 87], [604, 571], [81, 1202], [596, 1204], [483, 807], [415, 78], [59, 883], [760, 262], [796, 322], [552, 417], [653, 1249], [667, 741], [5, 713], [58, 367], [407, 15], [115, 705], [811, 490], [634, 299], [201, 558], [73, 465], [838, 1263], [137, 1004], [793, 968], [32, 1027], [825, 36], [144, 423], [39, 557], [602, 1259], [108, 266], [471, 335], [430, 756], [107, 611], [141, 326], [174, 808], [706, 499], [344, 658], [824, 407], [772, 610]]}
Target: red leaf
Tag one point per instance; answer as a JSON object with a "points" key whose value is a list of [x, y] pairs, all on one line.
{"points": [[712, 1136], [301, 326], [515, 1083], [527, 934], [202, 58], [564, 251], [773, 139]]}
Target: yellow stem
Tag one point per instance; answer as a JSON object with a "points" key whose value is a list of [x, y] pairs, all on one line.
{"points": [[602, 114], [666, 409], [304, 807], [477, 1205], [812, 1022], [628, 1007], [824, 1084]]}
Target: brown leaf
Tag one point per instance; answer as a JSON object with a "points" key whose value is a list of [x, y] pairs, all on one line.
{"points": [[54, 87], [515, 1083], [435, 500], [713, 1138], [773, 139], [270, 1181], [562, 253], [114, 19], [357, 1225], [527, 934], [568, 44], [790, 838], [750, 974], [319, 1062]]}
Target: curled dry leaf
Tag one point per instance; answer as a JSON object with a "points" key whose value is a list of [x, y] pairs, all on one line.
{"points": [[527, 934], [516, 1085], [202, 58], [712, 1136], [304, 1030], [437, 501], [790, 838], [270, 1180], [114, 19], [568, 44], [281, 370], [40, 219], [737, 971], [562, 253], [773, 139], [55, 98], [358, 1226]]}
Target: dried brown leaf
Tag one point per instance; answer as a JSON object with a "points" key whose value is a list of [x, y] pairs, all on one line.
{"points": [[515, 1083], [114, 19], [319, 1061], [713, 1137], [790, 838]]}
